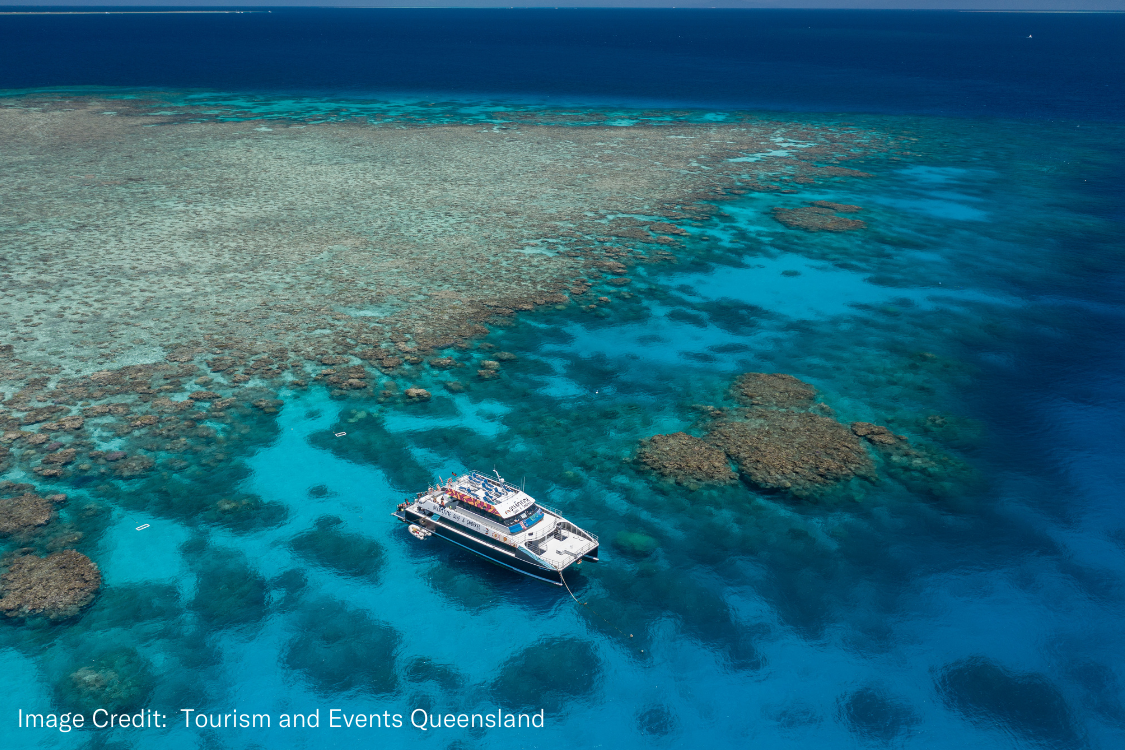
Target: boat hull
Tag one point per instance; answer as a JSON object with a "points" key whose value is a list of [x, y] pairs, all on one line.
{"points": [[507, 557]]}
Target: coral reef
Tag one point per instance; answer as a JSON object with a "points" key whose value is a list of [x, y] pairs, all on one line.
{"points": [[347, 553], [56, 586], [24, 514], [922, 468], [876, 434], [228, 592], [656, 721], [663, 227], [142, 344], [776, 390], [786, 440], [289, 589], [472, 591], [1027, 704], [549, 674], [816, 218], [206, 323], [635, 544], [955, 431], [339, 648], [840, 208], [271, 285], [875, 716], [134, 466], [119, 680], [685, 459], [795, 451]]}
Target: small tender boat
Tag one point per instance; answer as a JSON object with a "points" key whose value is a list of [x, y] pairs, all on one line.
{"points": [[499, 522]]}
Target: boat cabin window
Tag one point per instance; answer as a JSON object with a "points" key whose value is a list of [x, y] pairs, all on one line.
{"points": [[472, 510], [523, 516]]}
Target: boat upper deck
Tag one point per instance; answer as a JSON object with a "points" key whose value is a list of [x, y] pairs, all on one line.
{"points": [[492, 495]]}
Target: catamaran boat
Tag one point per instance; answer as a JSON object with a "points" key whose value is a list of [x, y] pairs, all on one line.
{"points": [[490, 517]]}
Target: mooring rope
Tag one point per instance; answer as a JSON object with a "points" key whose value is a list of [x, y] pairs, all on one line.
{"points": [[587, 606]]}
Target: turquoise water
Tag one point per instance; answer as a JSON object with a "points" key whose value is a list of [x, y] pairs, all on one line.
{"points": [[978, 606]]}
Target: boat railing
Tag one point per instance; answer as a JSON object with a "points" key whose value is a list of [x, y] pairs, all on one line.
{"points": [[567, 525], [537, 558]]}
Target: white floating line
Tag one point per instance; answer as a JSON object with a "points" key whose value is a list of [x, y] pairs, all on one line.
{"points": [[341, 434], [142, 527]]}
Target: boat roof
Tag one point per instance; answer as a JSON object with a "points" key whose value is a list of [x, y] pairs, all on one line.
{"points": [[500, 497]]}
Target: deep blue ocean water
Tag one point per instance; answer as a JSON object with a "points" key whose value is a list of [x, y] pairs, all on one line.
{"points": [[982, 609], [963, 64]]}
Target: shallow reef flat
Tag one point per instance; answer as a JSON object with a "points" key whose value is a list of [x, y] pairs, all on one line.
{"points": [[127, 235], [140, 246]]}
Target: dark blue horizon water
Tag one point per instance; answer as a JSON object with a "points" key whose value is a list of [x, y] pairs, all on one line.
{"points": [[1039, 66], [988, 290]]}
